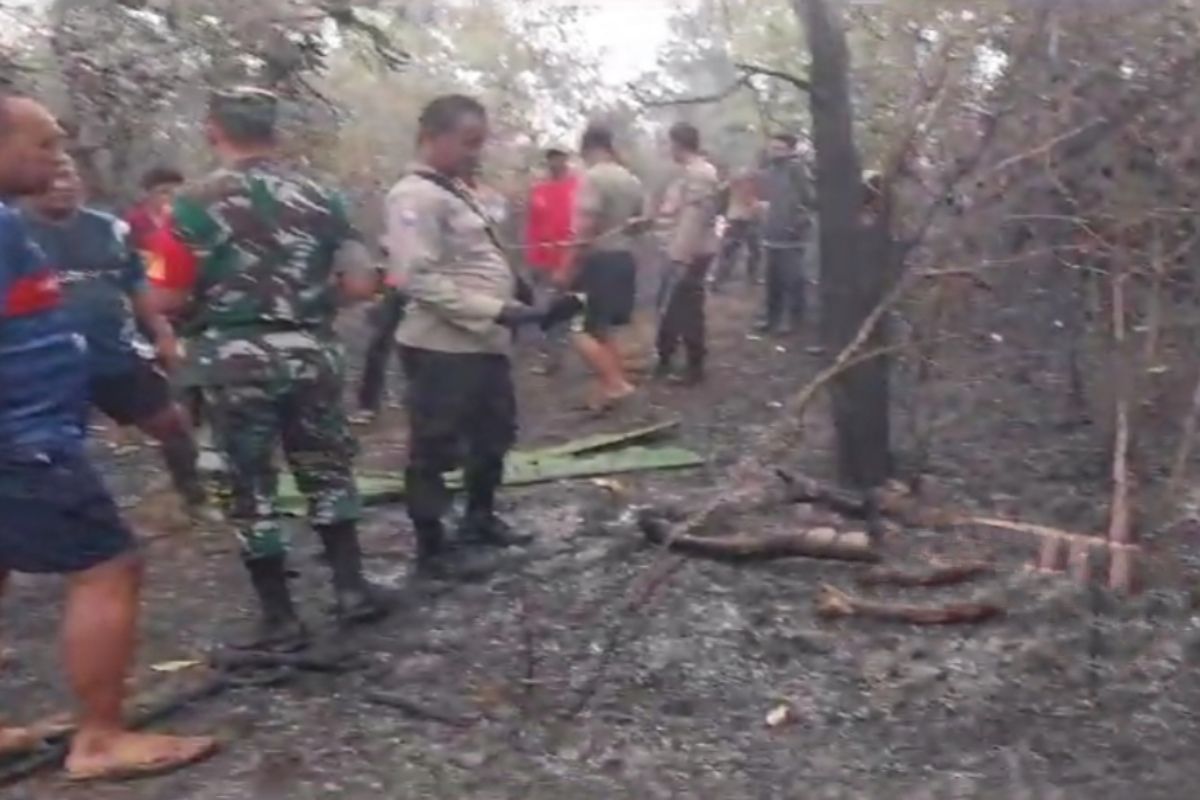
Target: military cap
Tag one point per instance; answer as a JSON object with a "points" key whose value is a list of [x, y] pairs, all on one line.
{"points": [[244, 106]]}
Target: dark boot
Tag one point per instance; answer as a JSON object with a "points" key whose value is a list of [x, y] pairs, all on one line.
{"points": [[485, 528], [662, 370], [438, 561], [356, 600], [692, 376], [278, 628]]}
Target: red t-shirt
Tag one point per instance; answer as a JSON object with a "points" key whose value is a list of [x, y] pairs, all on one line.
{"points": [[551, 222], [143, 224], [169, 262]]}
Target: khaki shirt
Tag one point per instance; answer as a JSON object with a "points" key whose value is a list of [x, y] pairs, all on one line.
{"points": [[690, 207], [610, 196], [456, 278]]}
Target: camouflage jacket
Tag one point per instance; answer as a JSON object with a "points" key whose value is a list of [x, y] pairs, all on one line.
{"points": [[265, 297]]}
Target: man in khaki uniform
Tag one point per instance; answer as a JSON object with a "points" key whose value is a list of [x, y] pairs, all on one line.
{"points": [[690, 206], [456, 336], [609, 200]]}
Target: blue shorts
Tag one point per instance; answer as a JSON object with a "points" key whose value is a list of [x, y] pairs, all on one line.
{"points": [[56, 516]]}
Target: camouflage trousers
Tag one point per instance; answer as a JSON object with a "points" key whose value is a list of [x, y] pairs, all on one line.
{"points": [[250, 421]]}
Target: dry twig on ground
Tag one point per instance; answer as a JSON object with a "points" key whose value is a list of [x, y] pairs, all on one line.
{"points": [[833, 603]]}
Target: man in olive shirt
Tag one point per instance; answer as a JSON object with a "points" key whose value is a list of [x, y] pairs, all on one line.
{"points": [[456, 336], [691, 208], [605, 270]]}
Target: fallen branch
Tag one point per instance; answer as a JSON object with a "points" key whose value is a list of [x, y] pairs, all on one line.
{"points": [[946, 575], [418, 710], [833, 603], [814, 543]]}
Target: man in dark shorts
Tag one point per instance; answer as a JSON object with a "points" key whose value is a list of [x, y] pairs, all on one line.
{"points": [[55, 514], [610, 200], [108, 299]]}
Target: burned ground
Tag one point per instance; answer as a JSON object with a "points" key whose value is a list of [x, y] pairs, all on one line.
{"points": [[601, 668]]}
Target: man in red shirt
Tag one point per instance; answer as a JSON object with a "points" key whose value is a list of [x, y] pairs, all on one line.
{"points": [[144, 219], [548, 234]]}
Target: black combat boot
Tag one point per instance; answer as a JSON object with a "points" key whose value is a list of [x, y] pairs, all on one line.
{"points": [[693, 375], [278, 628], [439, 561], [480, 525], [663, 369], [356, 600]]}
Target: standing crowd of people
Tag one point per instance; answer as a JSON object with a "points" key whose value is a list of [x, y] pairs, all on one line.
{"points": [[217, 297]]}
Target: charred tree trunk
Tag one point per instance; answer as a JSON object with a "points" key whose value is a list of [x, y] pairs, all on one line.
{"points": [[854, 256]]}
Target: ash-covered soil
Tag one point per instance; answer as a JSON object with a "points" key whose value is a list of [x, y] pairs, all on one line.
{"points": [[597, 667]]}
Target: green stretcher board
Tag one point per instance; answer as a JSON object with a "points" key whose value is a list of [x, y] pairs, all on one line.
{"points": [[529, 468]]}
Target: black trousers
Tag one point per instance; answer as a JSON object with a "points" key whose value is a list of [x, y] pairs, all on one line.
{"points": [[386, 317], [785, 285], [741, 234], [462, 411], [682, 312]]}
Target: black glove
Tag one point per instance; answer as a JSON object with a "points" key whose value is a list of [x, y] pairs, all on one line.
{"points": [[561, 309], [514, 315], [523, 291]]}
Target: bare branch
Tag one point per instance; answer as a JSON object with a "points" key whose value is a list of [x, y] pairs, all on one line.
{"points": [[704, 99], [768, 72]]}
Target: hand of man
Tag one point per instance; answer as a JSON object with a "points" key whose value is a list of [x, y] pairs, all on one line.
{"points": [[166, 347], [514, 315], [560, 310]]}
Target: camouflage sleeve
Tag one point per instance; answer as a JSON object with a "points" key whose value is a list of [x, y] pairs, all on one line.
{"points": [[198, 229], [343, 228], [416, 228]]}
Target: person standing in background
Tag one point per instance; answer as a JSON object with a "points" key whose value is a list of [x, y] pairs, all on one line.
{"points": [[690, 206], [549, 230], [610, 200], [742, 233], [786, 230], [384, 318], [153, 211], [108, 299]]}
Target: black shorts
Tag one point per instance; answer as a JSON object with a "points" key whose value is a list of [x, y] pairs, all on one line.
{"points": [[133, 396], [609, 281], [56, 516]]}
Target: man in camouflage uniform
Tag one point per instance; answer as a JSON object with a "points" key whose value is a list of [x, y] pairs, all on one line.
{"points": [[690, 206], [275, 254]]}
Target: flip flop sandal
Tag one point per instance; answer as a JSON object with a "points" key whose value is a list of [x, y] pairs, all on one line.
{"points": [[147, 769]]}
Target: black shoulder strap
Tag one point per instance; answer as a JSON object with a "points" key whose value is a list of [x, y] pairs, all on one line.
{"points": [[456, 189], [524, 292]]}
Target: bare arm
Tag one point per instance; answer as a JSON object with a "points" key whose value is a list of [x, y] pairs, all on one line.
{"points": [[146, 310]]}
